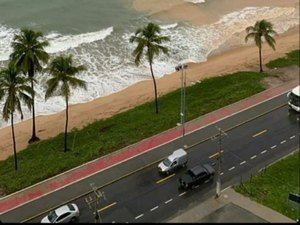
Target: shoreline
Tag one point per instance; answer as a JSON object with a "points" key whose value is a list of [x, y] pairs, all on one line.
{"points": [[196, 14], [80, 115]]}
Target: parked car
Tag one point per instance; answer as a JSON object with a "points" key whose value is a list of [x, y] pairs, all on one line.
{"points": [[64, 214], [196, 175], [174, 161]]}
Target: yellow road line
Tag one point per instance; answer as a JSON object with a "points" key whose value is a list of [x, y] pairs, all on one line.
{"points": [[172, 175], [214, 155], [106, 207], [259, 133]]}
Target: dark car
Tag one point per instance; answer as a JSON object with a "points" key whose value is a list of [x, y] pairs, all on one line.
{"points": [[196, 175]]}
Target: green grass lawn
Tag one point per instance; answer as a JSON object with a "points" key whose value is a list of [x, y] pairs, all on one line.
{"points": [[46, 158], [272, 186], [291, 59]]}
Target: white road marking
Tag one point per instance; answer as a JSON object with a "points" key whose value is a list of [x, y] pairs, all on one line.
{"points": [[156, 207], [242, 162], [264, 151], [274, 146], [253, 157], [292, 137], [166, 202], [231, 168], [183, 193], [139, 216], [282, 141], [221, 173]]}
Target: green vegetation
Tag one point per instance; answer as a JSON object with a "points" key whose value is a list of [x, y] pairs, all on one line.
{"points": [[273, 185], [47, 158], [292, 58]]}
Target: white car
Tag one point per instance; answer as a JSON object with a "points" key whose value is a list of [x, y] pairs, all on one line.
{"points": [[64, 214]]}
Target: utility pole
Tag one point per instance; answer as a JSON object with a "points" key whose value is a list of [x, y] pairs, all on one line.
{"points": [[220, 137], [182, 67], [94, 200]]}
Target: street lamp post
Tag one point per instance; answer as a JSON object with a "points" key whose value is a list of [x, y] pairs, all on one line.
{"points": [[219, 136], [182, 67]]}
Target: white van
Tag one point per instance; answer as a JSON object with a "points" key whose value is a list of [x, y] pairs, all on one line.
{"points": [[294, 98], [177, 159]]}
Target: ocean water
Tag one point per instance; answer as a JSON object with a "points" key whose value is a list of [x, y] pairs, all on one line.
{"points": [[97, 32]]}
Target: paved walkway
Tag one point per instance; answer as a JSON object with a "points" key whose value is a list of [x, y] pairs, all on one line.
{"points": [[230, 207], [19, 198]]}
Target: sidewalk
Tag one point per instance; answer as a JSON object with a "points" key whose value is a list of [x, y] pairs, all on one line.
{"points": [[230, 207], [19, 198]]}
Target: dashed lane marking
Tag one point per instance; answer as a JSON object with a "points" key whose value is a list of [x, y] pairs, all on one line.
{"points": [[264, 151], [214, 155], [221, 173], [106, 207], [242, 162], [292, 137], [156, 207], [231, 168], [282, 141], [259, 133], [253, 157], [183, 193], [166, 178], [139, 216], [166, 202], [274, 146]]}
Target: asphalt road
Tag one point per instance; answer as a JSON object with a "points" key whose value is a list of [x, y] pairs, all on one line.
{"points": [[254, 139]]}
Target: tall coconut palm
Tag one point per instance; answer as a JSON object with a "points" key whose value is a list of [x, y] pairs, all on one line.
{"points": [[62, 79], [28, 54], [149, 42], [261, 29], [14, 88]]}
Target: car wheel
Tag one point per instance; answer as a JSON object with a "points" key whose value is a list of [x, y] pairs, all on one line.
{"points": [[73, 220]]}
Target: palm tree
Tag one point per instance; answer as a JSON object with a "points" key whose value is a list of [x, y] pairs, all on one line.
{"points": [[261, 29], [14, 89], [63, 77], [28, 54], [148, 38]]}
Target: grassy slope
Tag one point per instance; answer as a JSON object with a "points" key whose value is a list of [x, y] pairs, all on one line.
{"points": [[272, 187]]}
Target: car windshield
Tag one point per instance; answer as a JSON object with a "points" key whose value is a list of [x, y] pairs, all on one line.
{"points": [[167, 162], [71, 207], [295, 100], [52, 216]]}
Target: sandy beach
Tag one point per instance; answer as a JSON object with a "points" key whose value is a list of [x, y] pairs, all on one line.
{"points": [[231, 60]]}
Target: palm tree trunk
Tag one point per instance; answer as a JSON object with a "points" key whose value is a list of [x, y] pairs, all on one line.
{"points": [[155, 89], [66, 126], [14, 141], [33, 137], [260, 60]]}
